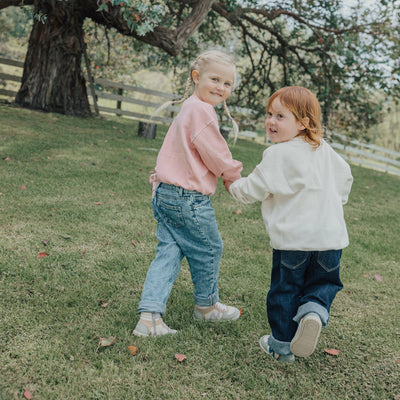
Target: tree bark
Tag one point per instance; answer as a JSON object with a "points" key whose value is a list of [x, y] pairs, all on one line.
{"points": [[53, 80]]}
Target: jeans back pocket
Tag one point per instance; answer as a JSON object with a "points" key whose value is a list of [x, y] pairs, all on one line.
{"points": [[293, 259], [170, 213], [329, 260]]}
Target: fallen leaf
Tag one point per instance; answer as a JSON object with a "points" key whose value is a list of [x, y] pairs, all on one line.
{"points": [[103, 303], [43, 254], [98, 203], [332, 352], [134, 242], [83, 252], [23, 187], [238, 211], [106, 341], [133, 350], [7, 159], [378, 278], [27, 394], [140, 233], [180, 357], [365, 275]]}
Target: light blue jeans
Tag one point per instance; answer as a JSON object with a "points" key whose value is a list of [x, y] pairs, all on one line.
{"points": [[186, 228]]}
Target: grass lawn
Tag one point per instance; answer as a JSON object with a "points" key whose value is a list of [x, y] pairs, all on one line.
{"points": [[77, 190]]}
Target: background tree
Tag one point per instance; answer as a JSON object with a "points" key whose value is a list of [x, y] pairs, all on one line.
{"points": [[337, 51]]}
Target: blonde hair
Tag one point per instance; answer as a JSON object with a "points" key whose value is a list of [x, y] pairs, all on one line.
{"points": [[304, 105], [199, 64]]}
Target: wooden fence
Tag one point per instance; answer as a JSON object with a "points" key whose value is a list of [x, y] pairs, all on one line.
{"points": [[366, 155], [140, 103], [10, 81], [143, 107]]}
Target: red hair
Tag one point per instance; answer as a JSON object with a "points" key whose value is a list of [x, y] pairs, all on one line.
{"points": [[304, 105]]}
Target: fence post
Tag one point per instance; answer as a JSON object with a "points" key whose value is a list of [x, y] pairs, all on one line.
{"points": [[147, 130], [119, 102]]}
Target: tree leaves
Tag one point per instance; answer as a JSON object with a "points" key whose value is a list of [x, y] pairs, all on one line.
{"points": [[141, 17]]}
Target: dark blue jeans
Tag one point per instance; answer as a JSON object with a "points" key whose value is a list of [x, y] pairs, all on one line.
{"points": [[301, 282]]}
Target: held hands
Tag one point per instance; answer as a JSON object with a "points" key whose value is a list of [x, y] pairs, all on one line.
{"points": [[227, 185]]}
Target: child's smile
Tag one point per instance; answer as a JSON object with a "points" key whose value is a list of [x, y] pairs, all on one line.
{"points": [[214, 84], [281, 125]]}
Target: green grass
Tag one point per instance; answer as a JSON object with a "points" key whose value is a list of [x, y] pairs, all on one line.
{"points": [[54, 172]]}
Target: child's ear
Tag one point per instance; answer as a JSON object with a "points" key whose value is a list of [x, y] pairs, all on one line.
{"points": [[304, 123], [195, 76]]}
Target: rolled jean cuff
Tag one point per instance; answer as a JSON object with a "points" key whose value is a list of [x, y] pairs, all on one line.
{"points": [[206, 301], [315, 308], [151, 306], [279, 347]]}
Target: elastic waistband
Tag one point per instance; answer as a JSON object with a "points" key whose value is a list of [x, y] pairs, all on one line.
{"points": [[179, 189]]}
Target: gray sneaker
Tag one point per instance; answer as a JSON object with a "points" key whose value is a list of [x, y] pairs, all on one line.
{"points": [[306, 338], [157, 327], [279, 357], [218, 312]]}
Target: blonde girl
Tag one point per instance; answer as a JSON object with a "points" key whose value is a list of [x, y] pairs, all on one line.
{"points": [[194, 154], [302, 185]]}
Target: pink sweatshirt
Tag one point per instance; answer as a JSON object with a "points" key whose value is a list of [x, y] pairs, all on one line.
{"points": [[194, 153]]}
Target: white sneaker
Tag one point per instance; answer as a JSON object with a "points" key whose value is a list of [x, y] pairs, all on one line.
{"points": [[279, 357], [306, 338], [218, 312], [155, 327]]}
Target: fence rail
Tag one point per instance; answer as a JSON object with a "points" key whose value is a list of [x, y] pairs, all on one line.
{"points": [[111, 95], [365, 154]]}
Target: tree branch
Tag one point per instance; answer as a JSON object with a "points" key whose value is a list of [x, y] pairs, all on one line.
{"points": [[16, 3], [170, 40], [274, 14]]}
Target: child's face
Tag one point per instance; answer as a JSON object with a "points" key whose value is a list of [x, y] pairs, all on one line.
{"points": [[214, 84], [281, 124]]}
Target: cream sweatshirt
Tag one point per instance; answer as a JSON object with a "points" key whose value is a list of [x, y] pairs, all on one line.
{"points": [[302, 193]]}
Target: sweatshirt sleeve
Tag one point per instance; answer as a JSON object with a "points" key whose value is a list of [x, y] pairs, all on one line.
{"points": [[251, 189], [213, 148], [277, 174], [347, 183]]}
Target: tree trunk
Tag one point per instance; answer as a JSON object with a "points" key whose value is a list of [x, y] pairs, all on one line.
{"points": [[53, 80]]}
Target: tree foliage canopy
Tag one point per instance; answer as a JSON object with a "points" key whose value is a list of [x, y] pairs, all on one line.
{"points": [[347, 54]]}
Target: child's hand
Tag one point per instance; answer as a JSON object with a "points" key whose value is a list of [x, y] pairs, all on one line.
{"points": [[227, 185]]}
